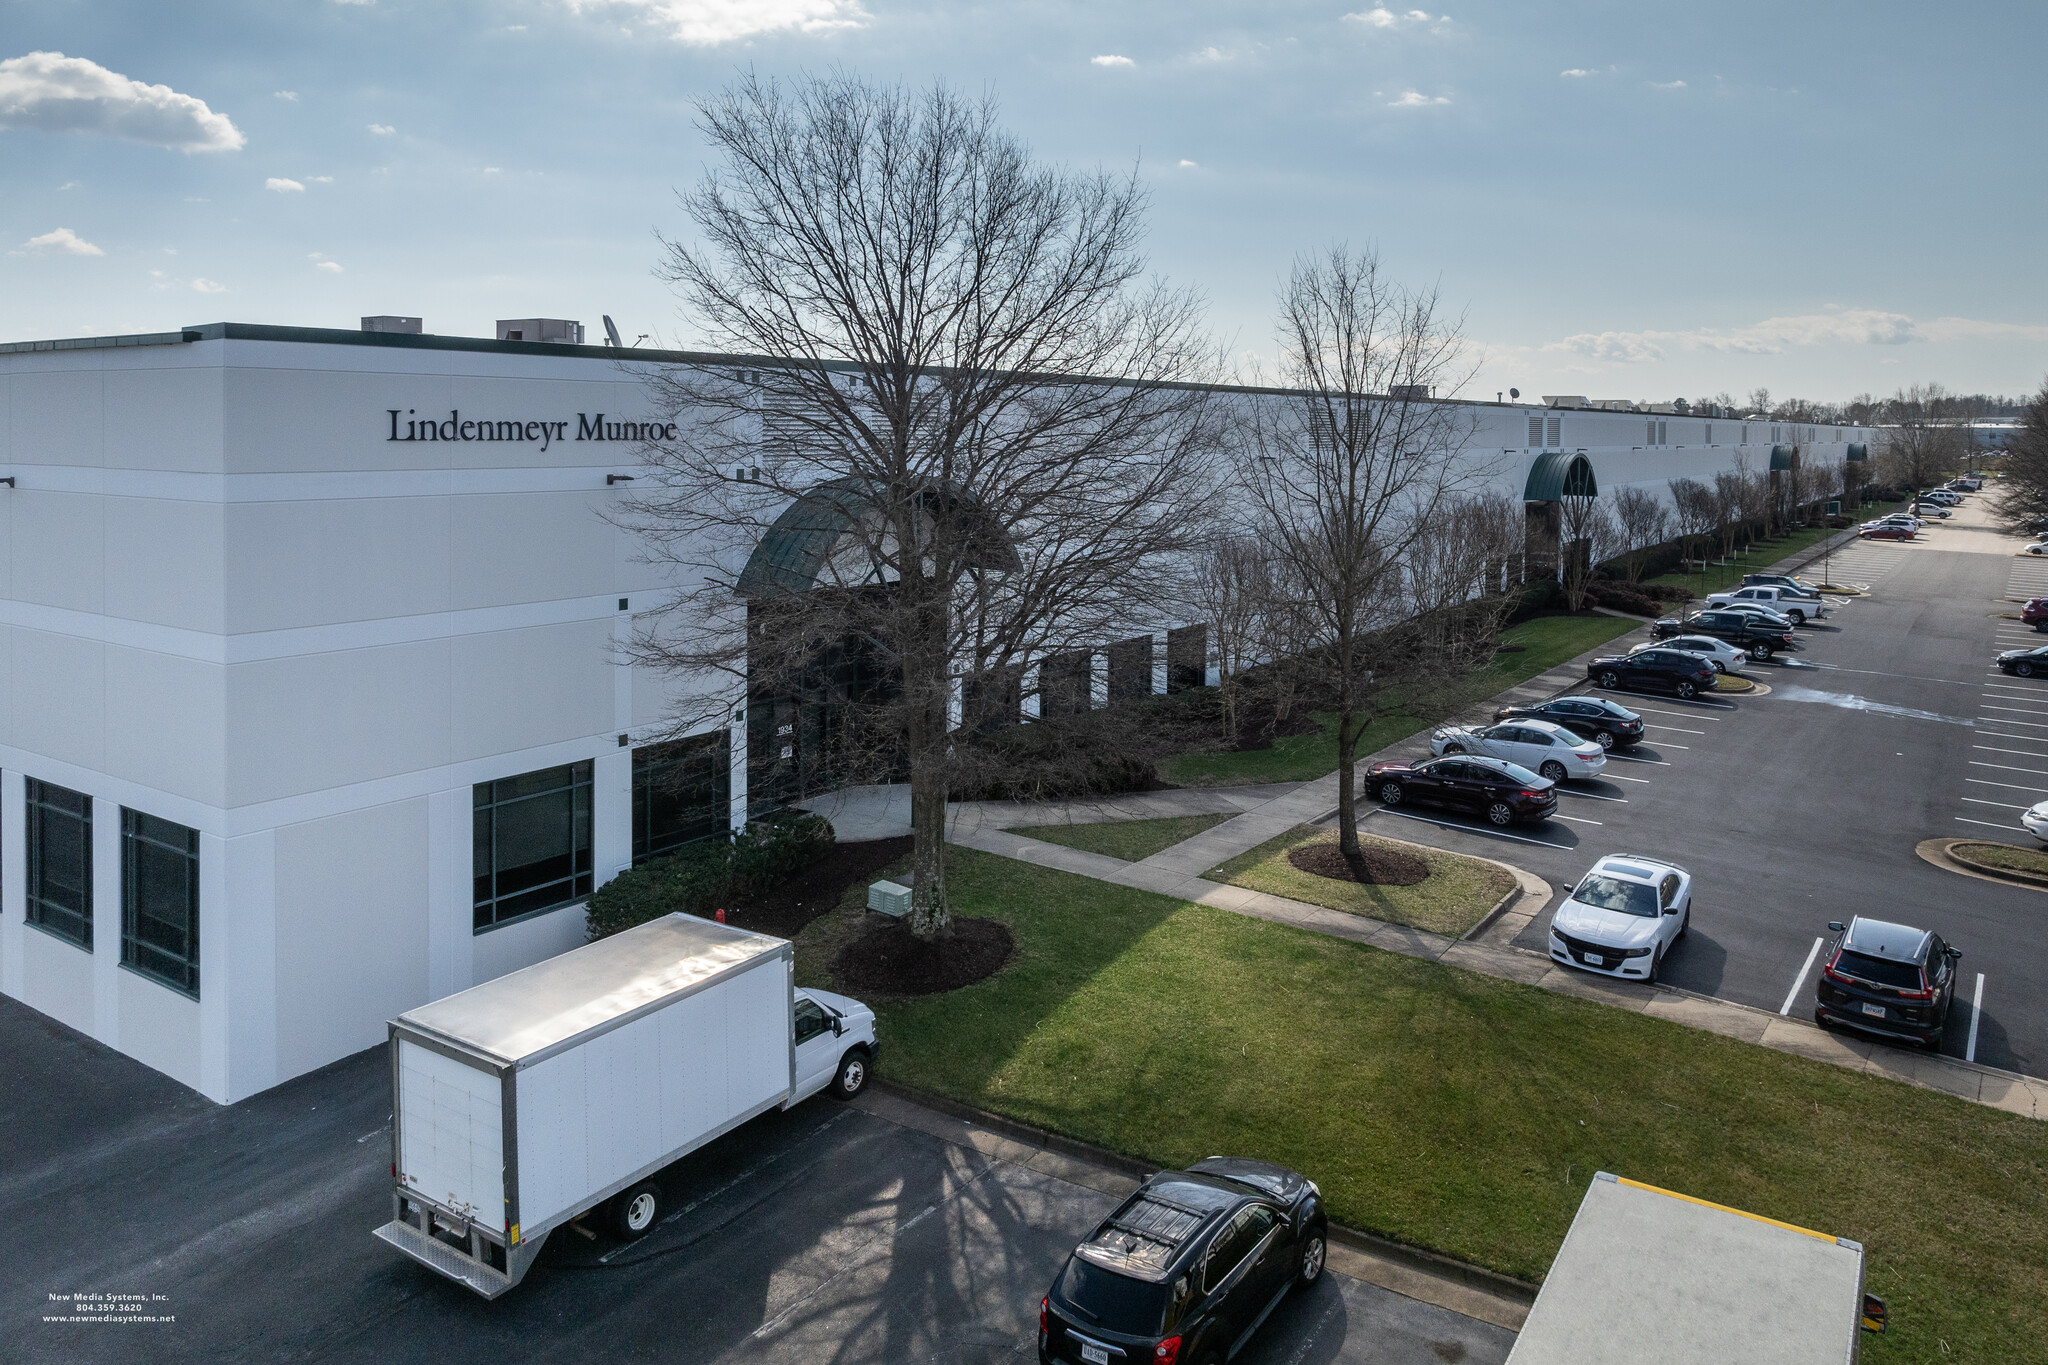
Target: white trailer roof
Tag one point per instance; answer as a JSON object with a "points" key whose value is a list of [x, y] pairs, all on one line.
{"points": [[1646, 1274], [521, 1015]]}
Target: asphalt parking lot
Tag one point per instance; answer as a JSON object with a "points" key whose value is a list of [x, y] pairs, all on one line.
{"points": [[1790, 809], [823, 1234]]}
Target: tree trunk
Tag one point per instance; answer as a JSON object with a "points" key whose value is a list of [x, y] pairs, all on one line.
{"points": [[929, 911], [1350, 725]]}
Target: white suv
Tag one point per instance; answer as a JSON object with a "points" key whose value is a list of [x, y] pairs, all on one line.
{"points": [[1623, 916]]}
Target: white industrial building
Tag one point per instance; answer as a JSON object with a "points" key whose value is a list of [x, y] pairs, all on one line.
{"points": [[314, 715]]}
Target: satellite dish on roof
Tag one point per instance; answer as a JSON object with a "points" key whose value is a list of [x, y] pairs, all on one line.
{"points": [[1512, 393], [611, 331]]}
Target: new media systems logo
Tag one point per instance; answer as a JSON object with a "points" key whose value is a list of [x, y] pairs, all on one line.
{"points": [[589, 427]]}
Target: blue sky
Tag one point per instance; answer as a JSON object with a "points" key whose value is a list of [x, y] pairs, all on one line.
{"points": [[1637, 200]]}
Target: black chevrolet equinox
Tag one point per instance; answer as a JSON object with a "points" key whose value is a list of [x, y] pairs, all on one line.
{"points": [[1187, 1268]]}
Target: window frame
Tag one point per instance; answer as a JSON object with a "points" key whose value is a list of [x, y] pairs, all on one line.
{"points": [[132, 943], [796, 1018], [35, 810], [580, 787]]}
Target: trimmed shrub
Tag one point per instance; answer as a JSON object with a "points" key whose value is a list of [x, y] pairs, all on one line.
{"points": [[1535, 598], [705, 876], [1621, 597]]}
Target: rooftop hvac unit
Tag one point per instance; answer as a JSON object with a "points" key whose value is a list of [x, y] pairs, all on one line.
{"points": [[386, 322], [1564, 400], [561, 331], [1410, 393]]}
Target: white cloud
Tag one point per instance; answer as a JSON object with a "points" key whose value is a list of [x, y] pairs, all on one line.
{"points": [[355, 2], [206, 286], [69, 185], [707, 23], [63, 240], [382, 129], [331, 267], [492, 170], [284, 186], [319, 180], [1382, 17], [1667, 85], [1415, 99], [1188, 165], [515, 28], [1575, 72], [1110, 59], [53, 93], [1841, 326], [288, 96]]}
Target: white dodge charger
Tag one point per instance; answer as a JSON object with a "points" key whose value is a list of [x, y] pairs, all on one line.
{"points": [[1623, 916]]}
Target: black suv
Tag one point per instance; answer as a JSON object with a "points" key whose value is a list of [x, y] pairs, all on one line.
{"points": [[1608, 724], [1501, 791], [1738, 628], [1658, 670], [1186, 1268], [1888, 979]]}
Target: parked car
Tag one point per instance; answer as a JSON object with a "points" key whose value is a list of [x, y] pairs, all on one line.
{"points": [[1184, 1271], [1891, 532], [1896, 519], [1658, 670], [1623, 916], [1943, 497], [2035, 613], [2036, 820], [1538, 745], [1503, 792], [1781, 580], [1758, 612], [1607, 723], [1738, 628], [2039, 547], [1889, 979], [1722, 655], [1798, 608], [2024, 663], [1926, 510]]}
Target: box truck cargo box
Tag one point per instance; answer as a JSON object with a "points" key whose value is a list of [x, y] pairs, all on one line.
{"points": [[1648, 1277], [523, 1103]]}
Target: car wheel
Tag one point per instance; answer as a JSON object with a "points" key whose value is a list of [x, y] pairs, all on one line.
{"points": [[1610, 679], [853, 1074], [1684, 923], [1656, 968], [2024, 668], [1604, 740], [1501, 814], [1454, 748], [1553, 770], [1391, 794], [635, 1212], [1314, 1252], [1798, 616], [1760, 651], [1686, 691], [2041, 627]]}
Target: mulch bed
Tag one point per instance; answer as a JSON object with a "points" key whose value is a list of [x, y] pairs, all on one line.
{"points": [[887, 959], [1377, 866], [786, 909]]}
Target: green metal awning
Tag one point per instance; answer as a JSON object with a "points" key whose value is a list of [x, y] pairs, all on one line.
{"points": [[796, 547], [1784, 457], [1558, 474], [1858, 451]]}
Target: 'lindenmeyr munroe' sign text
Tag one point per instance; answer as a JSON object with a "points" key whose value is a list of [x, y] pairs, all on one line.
{"points": [[589, 427]]}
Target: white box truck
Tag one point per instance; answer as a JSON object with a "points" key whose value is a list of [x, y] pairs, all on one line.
{"points": [[530, 1100], [1646, 1275]]}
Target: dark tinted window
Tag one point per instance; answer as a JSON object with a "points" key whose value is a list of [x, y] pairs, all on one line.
{"points": [[59, 832], [532, 842], [1227, 1250], [682, 791], [160, 899], [811, 1020], [1883, 971], [1113, 1302], [1513, 772], [1612, 893]]}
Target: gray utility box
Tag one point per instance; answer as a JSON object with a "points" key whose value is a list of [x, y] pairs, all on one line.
{"points": [[888, 898], [1646, 1275], [524, 1102]]}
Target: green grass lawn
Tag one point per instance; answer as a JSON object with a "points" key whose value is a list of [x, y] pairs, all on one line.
{"points": [[1545, 642], [1763, 553], [1455, 896], [1129, 840], [1465, 1114], [2010, 857]]}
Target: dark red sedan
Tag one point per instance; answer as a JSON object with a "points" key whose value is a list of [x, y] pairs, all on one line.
{"points": [[1886, 533], [2035, 613], [1502, 792]]}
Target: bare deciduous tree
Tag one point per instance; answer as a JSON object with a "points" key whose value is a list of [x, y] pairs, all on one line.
{"points": [[1236, 593], [1692, 508], [1586, 535], [970, 431], [1923, 442], [1355, 482], [2024, 500], [1642, 522]]}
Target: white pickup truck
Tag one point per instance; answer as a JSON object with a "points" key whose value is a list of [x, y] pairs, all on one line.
{"points": [[1797, 606], [526, 1102]]}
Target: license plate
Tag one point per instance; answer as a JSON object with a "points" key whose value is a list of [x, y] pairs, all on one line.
{"points": [[1595, 960], [1094, 1355], [1874, 1011]]}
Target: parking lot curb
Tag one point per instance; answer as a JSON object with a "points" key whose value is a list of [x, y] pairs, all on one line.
{"points": [[1937, 852], [1426, 1276]]}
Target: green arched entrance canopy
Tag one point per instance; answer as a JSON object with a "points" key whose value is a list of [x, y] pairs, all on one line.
{"points": [[1858, 451], [1784, 457], [1560, 474], [802, 539]]}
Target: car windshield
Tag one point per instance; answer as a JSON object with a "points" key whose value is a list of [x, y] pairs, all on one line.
{"points": [[1113, 1302], [1881, 970], [1612, 893]]}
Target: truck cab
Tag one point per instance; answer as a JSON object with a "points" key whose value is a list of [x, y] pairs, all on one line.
{"points": [[835, 1044]]}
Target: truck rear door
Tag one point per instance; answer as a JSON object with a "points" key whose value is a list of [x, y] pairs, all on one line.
{"points": [[451, 1133]]}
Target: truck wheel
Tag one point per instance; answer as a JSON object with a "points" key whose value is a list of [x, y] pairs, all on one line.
{"points": [[1759, 651], [635, 1212], [853, 1074]]}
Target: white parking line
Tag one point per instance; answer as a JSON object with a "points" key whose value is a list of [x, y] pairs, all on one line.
{"points": [[1470, 829], [2012, 784], [1658, 710], [2001, 720], [1674, 729], [1995, 749], [2002, 805], [1800, 980], [1578, 821], [1616, 777], [1627, 758], [1988, 824], [2008, 767], [1976, 1013], [1592, 796]]}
